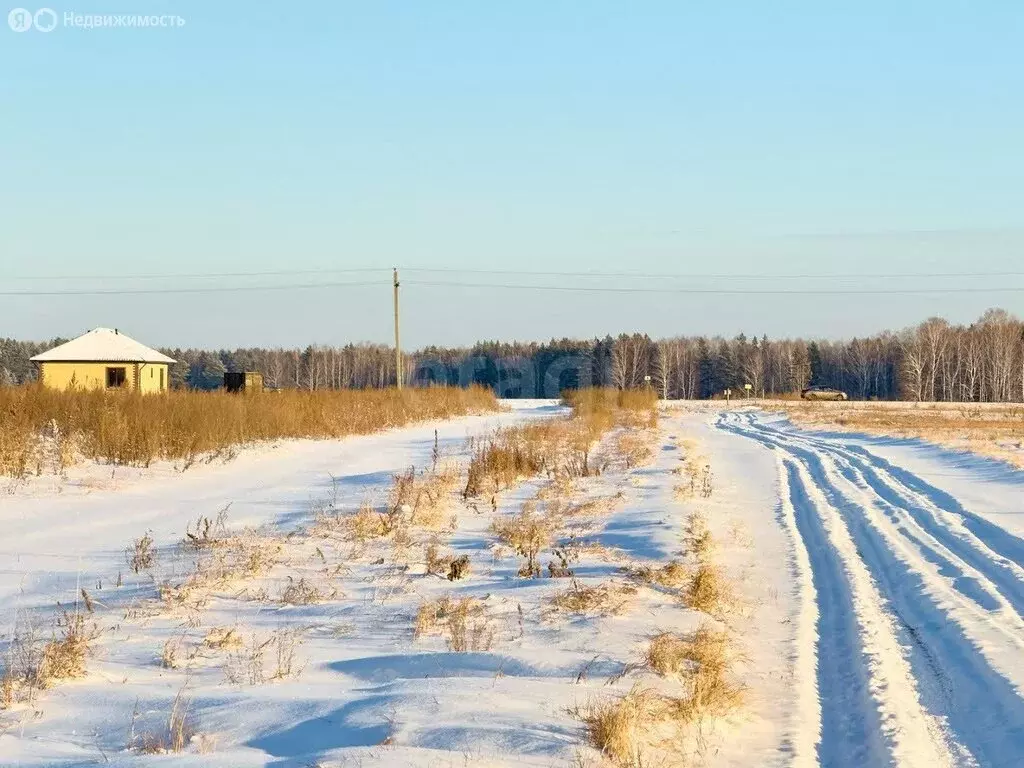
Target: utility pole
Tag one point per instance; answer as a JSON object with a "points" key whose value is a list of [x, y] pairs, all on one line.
{"points": [[398, 346]]}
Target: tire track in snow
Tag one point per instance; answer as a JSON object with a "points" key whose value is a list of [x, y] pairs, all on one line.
{"points": [[849, 730], [982, 710], [977, 544]]}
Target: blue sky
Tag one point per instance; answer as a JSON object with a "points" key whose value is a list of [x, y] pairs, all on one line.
{"points": [[656, 137]]}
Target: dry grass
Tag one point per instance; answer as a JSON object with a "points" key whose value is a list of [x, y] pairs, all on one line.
{"points": [[709, 591], [629, 730], [707, 650], [604, 599], [634, 448], [435, 563], [223, 638], [141, 555], [129, 428], [527, 533], [261, 659], [698, 539], [672, 575], [511, 454], [302, 592], [64, 656], [562, 448], [991, 429], [424, 500], [700, 479], [170, 651], [620, 728], [34, 664], [708, 695], [172, 737], [596, 507], [464, 623], [223, 560], [605, 406], [414, 501]]}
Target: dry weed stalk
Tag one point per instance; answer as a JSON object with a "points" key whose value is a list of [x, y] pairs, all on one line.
{"points": [[247, 663], [463, 622], [527, 533], [141, 555], [220, 562], [302, 592], [436, 563], [172, 737], [459, 568]]}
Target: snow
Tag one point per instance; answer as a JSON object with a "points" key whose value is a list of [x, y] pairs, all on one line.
{"points": [[920, 628], [881, 584]]}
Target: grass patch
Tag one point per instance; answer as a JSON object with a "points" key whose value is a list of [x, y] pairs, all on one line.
{"points": [[561, 448], [527, 533], [619, 727], [605, 599], [134, 429], [672, 575], [709, 591], [707, 650]]}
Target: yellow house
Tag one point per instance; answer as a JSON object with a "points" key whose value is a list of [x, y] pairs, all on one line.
{"points": [[104, 358]]}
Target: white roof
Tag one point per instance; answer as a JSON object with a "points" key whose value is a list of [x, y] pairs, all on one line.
{"points": [[102, 345]]}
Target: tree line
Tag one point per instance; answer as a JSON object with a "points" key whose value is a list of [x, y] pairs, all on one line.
{"points": [[936, 360]]}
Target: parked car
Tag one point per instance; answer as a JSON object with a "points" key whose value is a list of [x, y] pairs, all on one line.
{"points": [[822, 393]]}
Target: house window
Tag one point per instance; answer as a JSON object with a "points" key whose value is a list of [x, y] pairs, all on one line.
{"points": [[115, 377], [161, 379]]}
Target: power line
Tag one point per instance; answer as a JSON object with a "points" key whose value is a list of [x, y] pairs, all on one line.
{"points": [[200, 275], [537, 273], [516, 286], [719, 276], [212, 289], [719, 291]]}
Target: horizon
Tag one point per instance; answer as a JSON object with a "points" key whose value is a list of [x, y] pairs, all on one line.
{"points": [[809, 339]]}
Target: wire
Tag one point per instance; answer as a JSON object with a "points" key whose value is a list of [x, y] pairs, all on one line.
{"points": [[197, 275], [723, 276], [514, 286], [216, 289], [538, 273], [716, 291]]}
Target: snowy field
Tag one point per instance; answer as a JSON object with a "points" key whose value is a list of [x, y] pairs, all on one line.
{"points": [[879, 602]]}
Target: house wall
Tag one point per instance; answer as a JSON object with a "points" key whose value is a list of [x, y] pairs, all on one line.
{"points": [[142, 376], [149, 377]]}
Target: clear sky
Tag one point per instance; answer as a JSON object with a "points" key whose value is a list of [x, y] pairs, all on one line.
{"points": [[794, 138]]}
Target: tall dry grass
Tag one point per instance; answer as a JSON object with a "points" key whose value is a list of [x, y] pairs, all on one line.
{"points": [[561, 448], [41, 430]]}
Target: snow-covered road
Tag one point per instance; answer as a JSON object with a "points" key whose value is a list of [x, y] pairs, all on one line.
{"points": [[914, 601]]}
